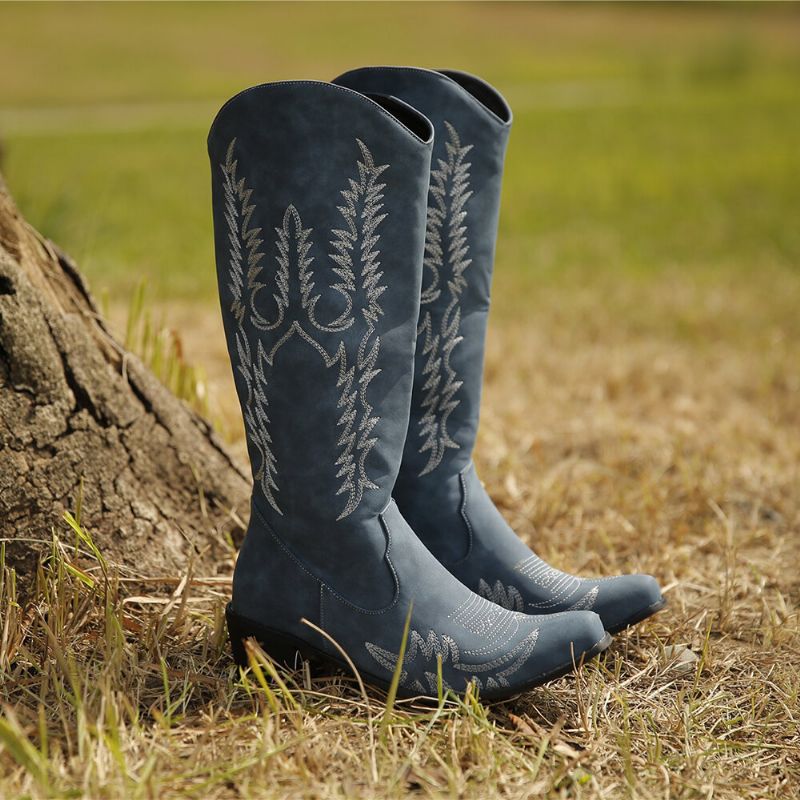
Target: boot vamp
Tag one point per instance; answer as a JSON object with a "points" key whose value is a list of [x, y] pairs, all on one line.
{"points": [[502, 651], [457, 520]]}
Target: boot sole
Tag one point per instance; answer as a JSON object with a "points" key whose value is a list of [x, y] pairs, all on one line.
{"points": [[285, 649], [640, 616]]}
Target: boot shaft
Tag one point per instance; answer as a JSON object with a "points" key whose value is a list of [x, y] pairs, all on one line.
{"points": [[318, 203], [472, 124]]}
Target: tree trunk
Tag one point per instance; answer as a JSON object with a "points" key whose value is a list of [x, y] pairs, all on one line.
{"points": [[80, 416]]}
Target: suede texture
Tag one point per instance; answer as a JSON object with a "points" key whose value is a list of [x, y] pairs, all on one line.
{"points": [[319, 200], [437, 489]]}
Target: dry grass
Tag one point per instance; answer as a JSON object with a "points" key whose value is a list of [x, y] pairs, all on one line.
{"points": [[650, 428], [651, 424]]}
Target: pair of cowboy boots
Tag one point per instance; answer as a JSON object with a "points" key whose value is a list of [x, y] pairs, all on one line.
{"points": [[355, 225]]}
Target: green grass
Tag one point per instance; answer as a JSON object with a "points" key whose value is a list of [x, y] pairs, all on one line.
{"points": [[645, 139]]}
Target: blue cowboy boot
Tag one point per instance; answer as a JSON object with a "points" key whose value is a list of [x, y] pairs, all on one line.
{"points": [[438, 491], [319, 198]]}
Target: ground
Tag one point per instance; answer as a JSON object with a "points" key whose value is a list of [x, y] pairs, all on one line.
{"points": [[641, 406]]}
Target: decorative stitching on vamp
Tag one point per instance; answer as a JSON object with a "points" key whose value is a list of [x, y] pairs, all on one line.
{"points": [[433, 646], [561, 586], [506, 596]]}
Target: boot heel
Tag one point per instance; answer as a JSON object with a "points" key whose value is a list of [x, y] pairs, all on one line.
{"points": [[237, 634], [279, 646]]}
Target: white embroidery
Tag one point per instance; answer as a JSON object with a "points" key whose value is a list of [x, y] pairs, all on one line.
{"points": [[487, 620], [362, 216], [429, 649], [359, 286], [445, 242], [586, 603], [561, 586], [495, 629], [505, 596], [293, 247], [238, 213]]}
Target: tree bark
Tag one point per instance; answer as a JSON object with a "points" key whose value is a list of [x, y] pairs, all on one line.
{"points": [[80, 416]]}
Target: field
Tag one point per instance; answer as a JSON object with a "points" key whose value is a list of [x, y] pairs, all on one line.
{"points": [[641, 412]]}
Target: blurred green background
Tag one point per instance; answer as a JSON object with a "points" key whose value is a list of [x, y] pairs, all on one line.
{"points": [[649, 140]]}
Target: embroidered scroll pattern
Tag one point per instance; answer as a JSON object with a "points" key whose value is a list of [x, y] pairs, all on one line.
{"points": [[489, 664], [446, 251], [293, 311], [358, 269], [566, 591], [245, 249]]}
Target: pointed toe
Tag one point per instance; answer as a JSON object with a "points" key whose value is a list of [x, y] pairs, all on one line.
{"points": [[566, 641], [627, 600]]}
